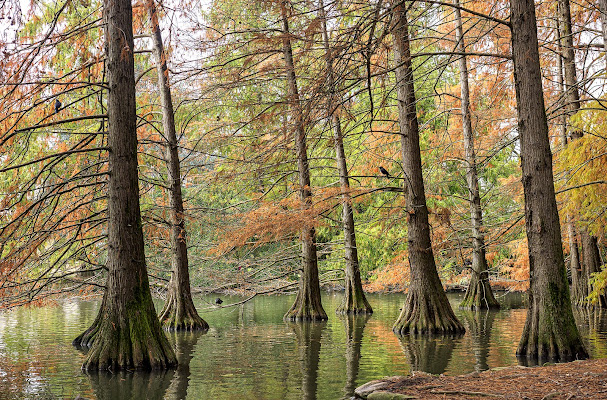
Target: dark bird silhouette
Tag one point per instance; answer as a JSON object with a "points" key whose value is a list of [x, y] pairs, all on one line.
{"points": [[57, 106], [218, 301], [383, 171]]}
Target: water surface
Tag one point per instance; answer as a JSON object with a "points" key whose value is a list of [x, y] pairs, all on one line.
{"points": [[251, 353]]}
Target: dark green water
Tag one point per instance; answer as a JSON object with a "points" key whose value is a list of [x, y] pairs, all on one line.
{"points": [[250, 353]]}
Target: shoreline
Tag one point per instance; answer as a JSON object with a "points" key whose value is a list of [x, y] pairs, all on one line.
{"points": [[580, 379]]}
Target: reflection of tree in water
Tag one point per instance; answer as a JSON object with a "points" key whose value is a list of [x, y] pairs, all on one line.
{"points": [[308, 345], [592, 323], [480, 323], [355, 325], [140, 385], [428, 353], [136, 385], [184, 344]]}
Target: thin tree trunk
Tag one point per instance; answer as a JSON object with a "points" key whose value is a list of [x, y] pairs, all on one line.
{"points": [[592, 264], [127, 333], [427, 309], [479, 294], [589, 243], [355, 301], [307, 304], [179, 312], [577, 293], [550, 331], [568, 56], [603, 9]]}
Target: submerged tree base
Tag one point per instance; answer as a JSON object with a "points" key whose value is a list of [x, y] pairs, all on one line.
{"points": [[306, 308], [129, 339], [550, 335], [479, 296], [179, 314], [427, 313], [354, 302]]}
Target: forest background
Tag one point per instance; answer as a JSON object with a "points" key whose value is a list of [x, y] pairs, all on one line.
{"points": [[235, 135]]}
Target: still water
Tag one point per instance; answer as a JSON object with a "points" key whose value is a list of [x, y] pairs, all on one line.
{"points": [[250, 353]]}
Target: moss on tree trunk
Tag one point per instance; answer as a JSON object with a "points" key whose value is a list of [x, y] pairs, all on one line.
{"points": [[355, 301], [126, 333], [427, 309], [307, 306], [550, 331], [179, 312]]}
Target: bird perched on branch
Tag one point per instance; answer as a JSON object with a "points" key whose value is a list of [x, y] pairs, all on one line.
{"points": [[383, 171], [57, 106]]}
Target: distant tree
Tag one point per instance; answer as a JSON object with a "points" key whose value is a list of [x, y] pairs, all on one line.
{"points": [[550, 330], [427, 309], [479, 294], [354, 301], [307, 304], [126, 333], [179, 312]]}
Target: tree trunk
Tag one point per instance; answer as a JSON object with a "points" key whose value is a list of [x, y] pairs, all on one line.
{"points": [[427, 309], [603, 9], [566, 44], [127, 333], [479, 294], [550, 331], [179, 312], [309, 336], [577, 292], [307, 304], [589, 244], [592, 264], [355, 301]]}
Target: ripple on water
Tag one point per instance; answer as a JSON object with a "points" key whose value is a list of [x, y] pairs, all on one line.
{"points": [[250, 352]]}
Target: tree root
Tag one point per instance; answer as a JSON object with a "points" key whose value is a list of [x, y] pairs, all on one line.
{"points": [[426, 312], [179, 314]]}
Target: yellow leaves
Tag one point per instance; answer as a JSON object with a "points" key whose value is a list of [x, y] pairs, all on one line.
{"points": [[583, 167]]}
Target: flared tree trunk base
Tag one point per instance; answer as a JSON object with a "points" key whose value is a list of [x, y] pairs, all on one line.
{"points": [[179, 314], [306, 308], [479, 295], [126, 340], [354, 302], [545, 338], [425, 312]]}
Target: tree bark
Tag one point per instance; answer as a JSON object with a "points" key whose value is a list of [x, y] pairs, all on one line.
{"points": [[589, 243], [307, 306], [355, 301], [577, 293], [127, 333], [579, 289], [179, 312], [550, 331], [603, 9], [566, 44], [478, 294], [592, 264], [427, 309]]}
